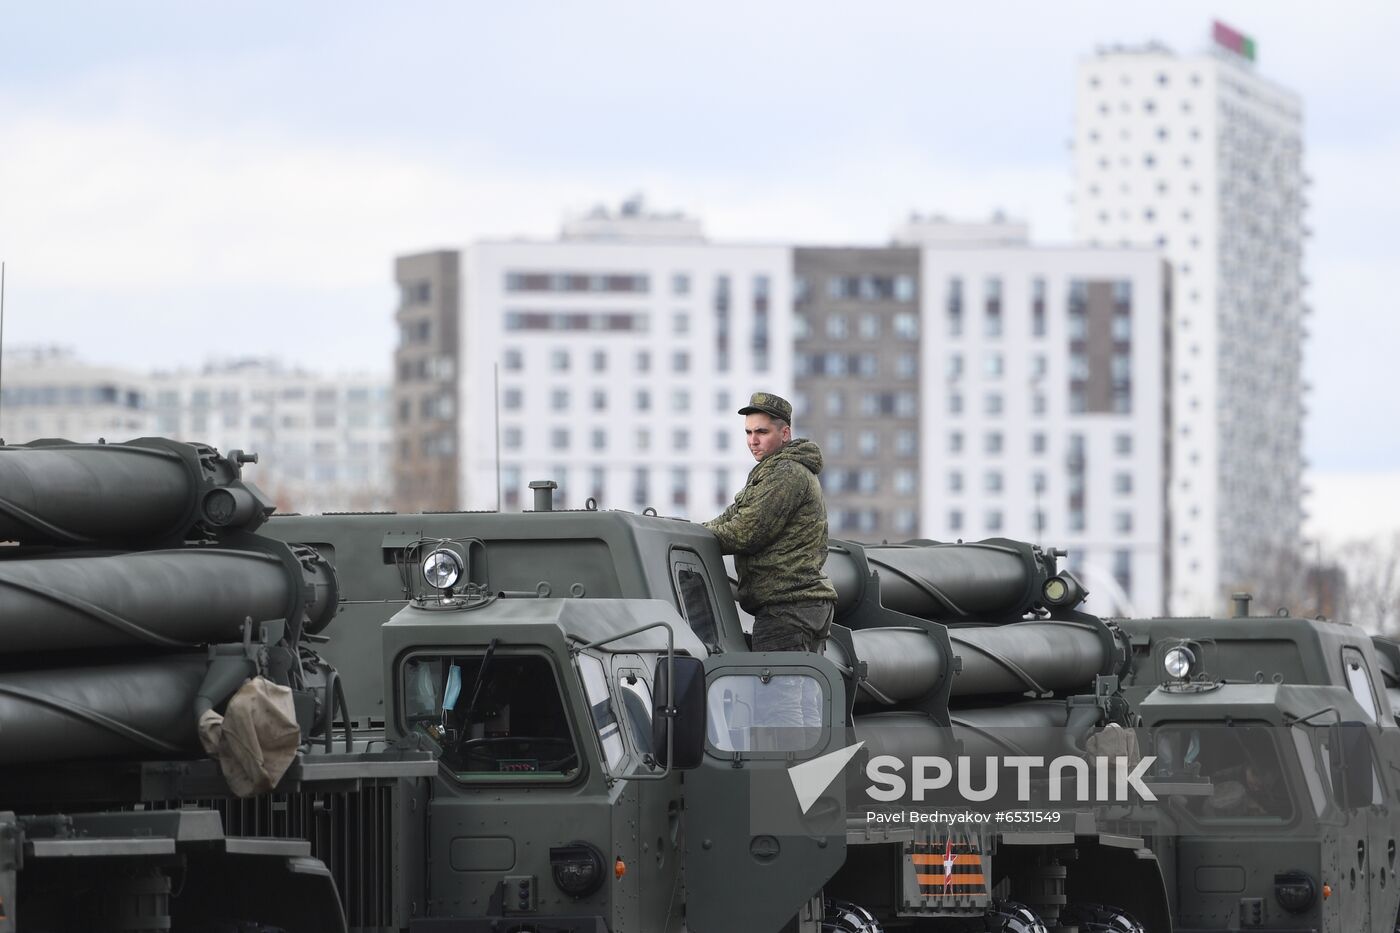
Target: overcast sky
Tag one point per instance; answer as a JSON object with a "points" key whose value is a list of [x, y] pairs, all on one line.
{"points": [[181, 181]]}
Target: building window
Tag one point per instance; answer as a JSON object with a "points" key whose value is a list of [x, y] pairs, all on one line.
{"points": [[514, 360], [680, 439], [993, 442], [600, 439], [559, 438], [991, 481], [559, 360], [643, 400], [680, 400], [994, 519], [680, 362], [640, 492], [992, 318], [510, 438], [512, 399], [906, 443], [870, 326], [559, 399], [904, 288], [868, 443], [906, 365], [992, 404], [600, 361], [680, 284], [1123, 483], [955, 520], [955, 481], [955, 403], [906, 326], [643, 361], [600, 400], [836, 442], [993, 365], [835, 402], [721, 488], [837, 327], [1123, 522], [955, 442], [680, 486], [954, 307], [905, 482], [1123, 444]]}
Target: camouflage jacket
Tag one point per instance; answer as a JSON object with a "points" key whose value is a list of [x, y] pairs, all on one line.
{"points": [[776, 530]]}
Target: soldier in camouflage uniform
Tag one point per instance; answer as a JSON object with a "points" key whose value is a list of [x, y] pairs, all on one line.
{"points": [[776, 530]]}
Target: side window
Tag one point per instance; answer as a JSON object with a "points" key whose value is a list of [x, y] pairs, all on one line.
{"points": [[767, 712], [636, 700], [1247, 776], [1359, 680], [697, 604], [493, 717], [595, 684]]}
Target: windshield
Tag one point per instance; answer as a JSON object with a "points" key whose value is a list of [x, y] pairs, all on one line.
{"points": [[1246, 773], [492, 717]]}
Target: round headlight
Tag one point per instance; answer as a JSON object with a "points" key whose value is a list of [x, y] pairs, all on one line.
{"points": [[1178, 662], [1055, 589], [442, 569], [577, 868], [1295, 891]]}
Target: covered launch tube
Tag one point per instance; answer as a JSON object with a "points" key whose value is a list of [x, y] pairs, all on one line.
{"points": [[981, 592], [139, 599], [168, 598], [143, 492]]}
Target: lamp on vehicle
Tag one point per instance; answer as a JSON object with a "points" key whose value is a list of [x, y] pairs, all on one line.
{"points": [[1295, 891], [1063, 589], [577, 868], [1178, 662], [442, 569]]}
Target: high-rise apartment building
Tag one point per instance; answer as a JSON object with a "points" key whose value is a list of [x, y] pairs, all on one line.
{"points": [[856, 324], [1200, 156], [1044, 412], [425, 382], [966, 384], [613, 361], [49, 393], [323, 441]]}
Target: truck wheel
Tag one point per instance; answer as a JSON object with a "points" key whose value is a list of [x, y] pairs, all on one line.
{"points": [[1012, 917], [845, 917], [1100, 918]]}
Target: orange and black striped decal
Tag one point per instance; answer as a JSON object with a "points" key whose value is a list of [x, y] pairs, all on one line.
{"points": [[953, 870]]}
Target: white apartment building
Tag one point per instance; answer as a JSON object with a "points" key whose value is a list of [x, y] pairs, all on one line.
{"points": [[324, 443], [49, 393], [1201, 157], [622, 352], [1043, 408]]}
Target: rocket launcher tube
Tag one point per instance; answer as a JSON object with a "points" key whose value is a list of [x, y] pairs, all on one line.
{"points": [[147, 491], [997, 580], [157, 598]]}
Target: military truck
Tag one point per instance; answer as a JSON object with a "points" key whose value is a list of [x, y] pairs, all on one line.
{"points": [[552, 721], [1281, 735]]}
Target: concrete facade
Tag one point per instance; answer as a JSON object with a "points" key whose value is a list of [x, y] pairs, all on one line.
{"points": [[425, 394], [1201, 157]]}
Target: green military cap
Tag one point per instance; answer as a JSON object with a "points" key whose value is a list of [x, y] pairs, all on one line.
{"points": [[768, 404]]}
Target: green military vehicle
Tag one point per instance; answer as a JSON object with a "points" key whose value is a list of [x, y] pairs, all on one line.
{"points": [[551, 721]]}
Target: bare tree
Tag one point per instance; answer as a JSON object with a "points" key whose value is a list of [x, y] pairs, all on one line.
{"points": [[1372, 569]]}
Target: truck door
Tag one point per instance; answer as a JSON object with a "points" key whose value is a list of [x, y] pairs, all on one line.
{"points": [[765, 814]]}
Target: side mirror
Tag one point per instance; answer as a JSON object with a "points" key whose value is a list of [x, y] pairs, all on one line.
{"points": [[683, 723], [1353, 764]]}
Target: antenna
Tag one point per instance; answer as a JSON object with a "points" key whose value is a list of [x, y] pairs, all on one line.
{"points": [[2, 334], [496, 389]]}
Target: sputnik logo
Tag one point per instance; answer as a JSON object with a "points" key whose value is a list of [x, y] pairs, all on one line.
{"points": [[811, 778]]}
